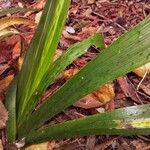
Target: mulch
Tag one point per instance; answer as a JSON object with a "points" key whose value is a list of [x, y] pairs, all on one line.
{"points": [[110, 17]]}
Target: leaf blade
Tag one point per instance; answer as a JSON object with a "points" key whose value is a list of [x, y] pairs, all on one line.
{"points": [[116, 60], [60, 64], [46, 38], [118, 122], [11, 128]]}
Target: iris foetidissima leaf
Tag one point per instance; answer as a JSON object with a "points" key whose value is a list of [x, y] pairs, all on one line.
{"points": [[127, 53], [59, 65], [127, 121], [11, 128], [41, 51]]}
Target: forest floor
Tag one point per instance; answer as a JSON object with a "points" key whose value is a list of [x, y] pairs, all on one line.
{"points": [[86, 17]]}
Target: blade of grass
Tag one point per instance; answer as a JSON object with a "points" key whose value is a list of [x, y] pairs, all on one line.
{"points": [[44, 44], [133, 120], [59, 65], [128, 52], [4, 12], [11, 108]]}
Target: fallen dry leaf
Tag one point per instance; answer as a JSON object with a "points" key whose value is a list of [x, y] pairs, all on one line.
{"points": [[141, 71], [145, 88], [4, 83], [8, 32], [87, 31], [3, 116], [42, 146], [69, 73], [3, 68], [105, 93], [1, 146], [87, 102], [128, 89], [9, 21], [38, 17], [98, 98], [91, 1], [58, 53]]}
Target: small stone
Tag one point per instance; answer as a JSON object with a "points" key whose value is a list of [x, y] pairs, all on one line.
{"points": [[70, 30]]}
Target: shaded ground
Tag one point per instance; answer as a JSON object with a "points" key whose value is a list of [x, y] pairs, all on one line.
{"points": [[110, 17]]}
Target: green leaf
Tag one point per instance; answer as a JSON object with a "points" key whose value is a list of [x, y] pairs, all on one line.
{"points": [[4, 12], [133, 120], [125, 54], [59, 65], [41, 51], [11, 107]]}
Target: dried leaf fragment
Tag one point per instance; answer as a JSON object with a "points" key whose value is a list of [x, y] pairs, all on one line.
{"points": [[105, 93], [3, 67], [9, 21], [4, 83], [98, 98], [69, 73], [88, 102], [3, 115], [141, 71], [1, 146], [42, 146]]}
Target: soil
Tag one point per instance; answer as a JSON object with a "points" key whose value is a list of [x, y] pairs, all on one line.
{"points": [[110, 17]]}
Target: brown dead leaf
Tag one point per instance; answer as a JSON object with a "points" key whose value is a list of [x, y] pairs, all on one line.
{"points": [[98, 98], [89, 101], [4, 83], [91, 1], [42, 146], [69, 73], [145, 88], [39, 4], [38, 17], [3, 115], [3, 68], [1, 146], [87, 31], [128, 89], [58, 53], [9, 21], [10, 49], [91, 141], [105, 93], [141, 71]]}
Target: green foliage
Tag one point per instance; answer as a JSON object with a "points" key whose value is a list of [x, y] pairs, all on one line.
{"points": [[126, 121], [39, 71]]}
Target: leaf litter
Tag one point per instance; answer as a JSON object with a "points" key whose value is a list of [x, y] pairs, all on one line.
{"points": [[112, 18]]}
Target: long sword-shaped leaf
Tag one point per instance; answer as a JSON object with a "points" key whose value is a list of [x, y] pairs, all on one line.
{"points": [[128, 52], [127, 121], [59, 65], [41, 50], [11, 107]]}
